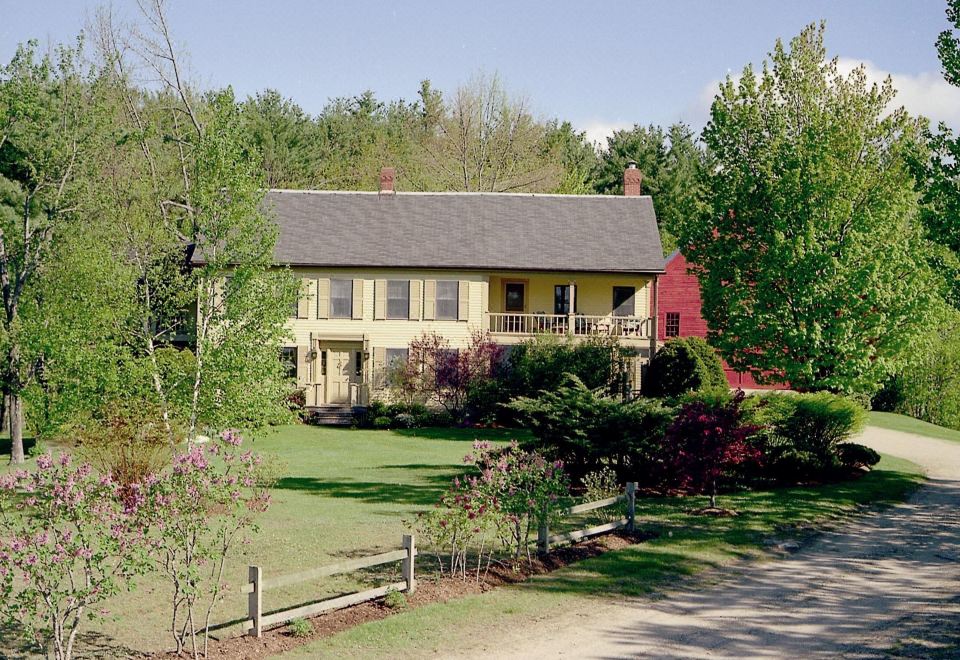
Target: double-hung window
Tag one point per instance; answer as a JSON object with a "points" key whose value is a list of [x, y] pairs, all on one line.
{"points": [[341, 299], [398, 299], [448, 300], [672, 325]]}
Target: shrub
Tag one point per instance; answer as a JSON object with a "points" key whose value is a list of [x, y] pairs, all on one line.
{"points": [[803, 432], [705, 442], [515, 492], [197, 512], [404, 421], [682, 365], [300, 628], [600, 485], [297, 401], [436, 372], [853, 455], [545, 362], [586, 430], [395, 600], [382, 422], [128, 443], [68, 542]]}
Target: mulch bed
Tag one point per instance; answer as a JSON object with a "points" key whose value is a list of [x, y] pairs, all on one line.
{"points": [[430, 589]]}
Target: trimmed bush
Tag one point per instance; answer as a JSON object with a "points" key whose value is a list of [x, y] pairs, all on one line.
{"points": [[804, 432], [682, 365], [854, 455]]}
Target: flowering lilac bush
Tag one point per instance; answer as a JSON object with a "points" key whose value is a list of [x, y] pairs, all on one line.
{"points": [[68, 541], [514, 492], [197, 513]]}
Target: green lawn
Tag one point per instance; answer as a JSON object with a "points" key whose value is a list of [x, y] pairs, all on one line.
{"points": [[686, 545], [348, 492], [896, 422], [345, 493]]}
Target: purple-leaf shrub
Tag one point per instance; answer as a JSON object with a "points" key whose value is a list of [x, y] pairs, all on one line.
{"points": [[68, 541], [705, 441]]}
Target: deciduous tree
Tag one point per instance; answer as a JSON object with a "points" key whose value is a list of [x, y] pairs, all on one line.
{"points": [[810, 259]]}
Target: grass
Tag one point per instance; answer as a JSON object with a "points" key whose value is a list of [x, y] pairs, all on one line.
{"points": [[344, 493], [347, 493], [686, 545], [895, 422]]}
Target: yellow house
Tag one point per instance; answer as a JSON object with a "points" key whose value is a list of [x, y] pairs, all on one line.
{"points": [[378, 269]]}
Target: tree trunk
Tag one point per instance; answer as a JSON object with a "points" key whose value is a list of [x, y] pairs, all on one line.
{"points": [[4, 410], [16, 428]]}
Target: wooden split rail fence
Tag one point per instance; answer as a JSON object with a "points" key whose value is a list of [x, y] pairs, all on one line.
{"points": [[257, 620], [545, 540]]}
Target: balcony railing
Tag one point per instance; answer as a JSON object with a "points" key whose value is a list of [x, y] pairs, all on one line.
{"points": [[579, 325]]}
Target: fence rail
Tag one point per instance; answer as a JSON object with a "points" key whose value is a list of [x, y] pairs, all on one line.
{"points": [[545, 539], [257, 619]]}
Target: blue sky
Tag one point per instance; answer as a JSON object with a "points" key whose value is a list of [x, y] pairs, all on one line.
{"points": [[599, 64]]}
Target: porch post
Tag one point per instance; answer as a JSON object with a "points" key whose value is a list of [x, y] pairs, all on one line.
{"points": [[573, 306], [654, 298]]}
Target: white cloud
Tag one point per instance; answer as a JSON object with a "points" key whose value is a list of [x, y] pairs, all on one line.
{"points": [[598, 131], [924, 93]]}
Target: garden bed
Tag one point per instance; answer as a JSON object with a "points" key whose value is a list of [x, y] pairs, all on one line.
{"points": [[430, 589]]}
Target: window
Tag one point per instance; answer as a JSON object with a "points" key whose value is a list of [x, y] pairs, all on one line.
{"points": [[623, 297], [448, 301], [358, 367], [288, 358], [323, 363], [295, 308], [341, 299], [393, 357], [672, 326], [561, 299], [513, 294], [398, 299]]}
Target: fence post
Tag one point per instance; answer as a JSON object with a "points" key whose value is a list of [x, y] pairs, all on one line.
{"points": [[631, 505], [255, 600], [543, 538], [410, 545]]}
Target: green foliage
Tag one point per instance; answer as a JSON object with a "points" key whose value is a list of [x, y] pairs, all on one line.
{"points": [[672, 167], [585, 429], [928, 387], [301, 628], [854, 455], [395, 600], [810, 261], [545, 361], [804, 432], [681, 365]]}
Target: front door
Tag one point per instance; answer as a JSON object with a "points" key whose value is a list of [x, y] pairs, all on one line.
{"points": [[344, 367]]}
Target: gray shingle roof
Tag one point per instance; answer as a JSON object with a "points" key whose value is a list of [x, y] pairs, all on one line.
{"points": [[489, 231]]}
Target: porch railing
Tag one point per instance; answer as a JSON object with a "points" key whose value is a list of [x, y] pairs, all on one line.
{"points": [[579, 325]]}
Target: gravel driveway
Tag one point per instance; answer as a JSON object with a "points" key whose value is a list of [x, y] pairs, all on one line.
{"points": [[887, 584]]}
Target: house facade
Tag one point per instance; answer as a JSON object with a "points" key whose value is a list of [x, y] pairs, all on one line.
{"points": [[679, 315], [378, 269]]}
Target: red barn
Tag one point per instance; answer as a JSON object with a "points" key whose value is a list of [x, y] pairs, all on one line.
{"points": [[679, 314]]}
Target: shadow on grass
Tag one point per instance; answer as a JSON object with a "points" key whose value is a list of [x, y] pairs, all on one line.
{"points": [[374, 492], [687, 544], [5, 447], [88, 645], [465, 434]]}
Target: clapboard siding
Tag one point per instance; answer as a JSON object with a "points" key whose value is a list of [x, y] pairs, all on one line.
{"points": [[679, 292]]}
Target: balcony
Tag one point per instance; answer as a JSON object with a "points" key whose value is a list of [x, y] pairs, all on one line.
{"points": [[506, 325]]}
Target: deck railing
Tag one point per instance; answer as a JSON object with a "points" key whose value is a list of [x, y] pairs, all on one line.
{"points": [[579, 325]]}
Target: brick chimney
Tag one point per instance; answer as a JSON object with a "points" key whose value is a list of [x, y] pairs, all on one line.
{"points": [[631, 180], [387, 175]]}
